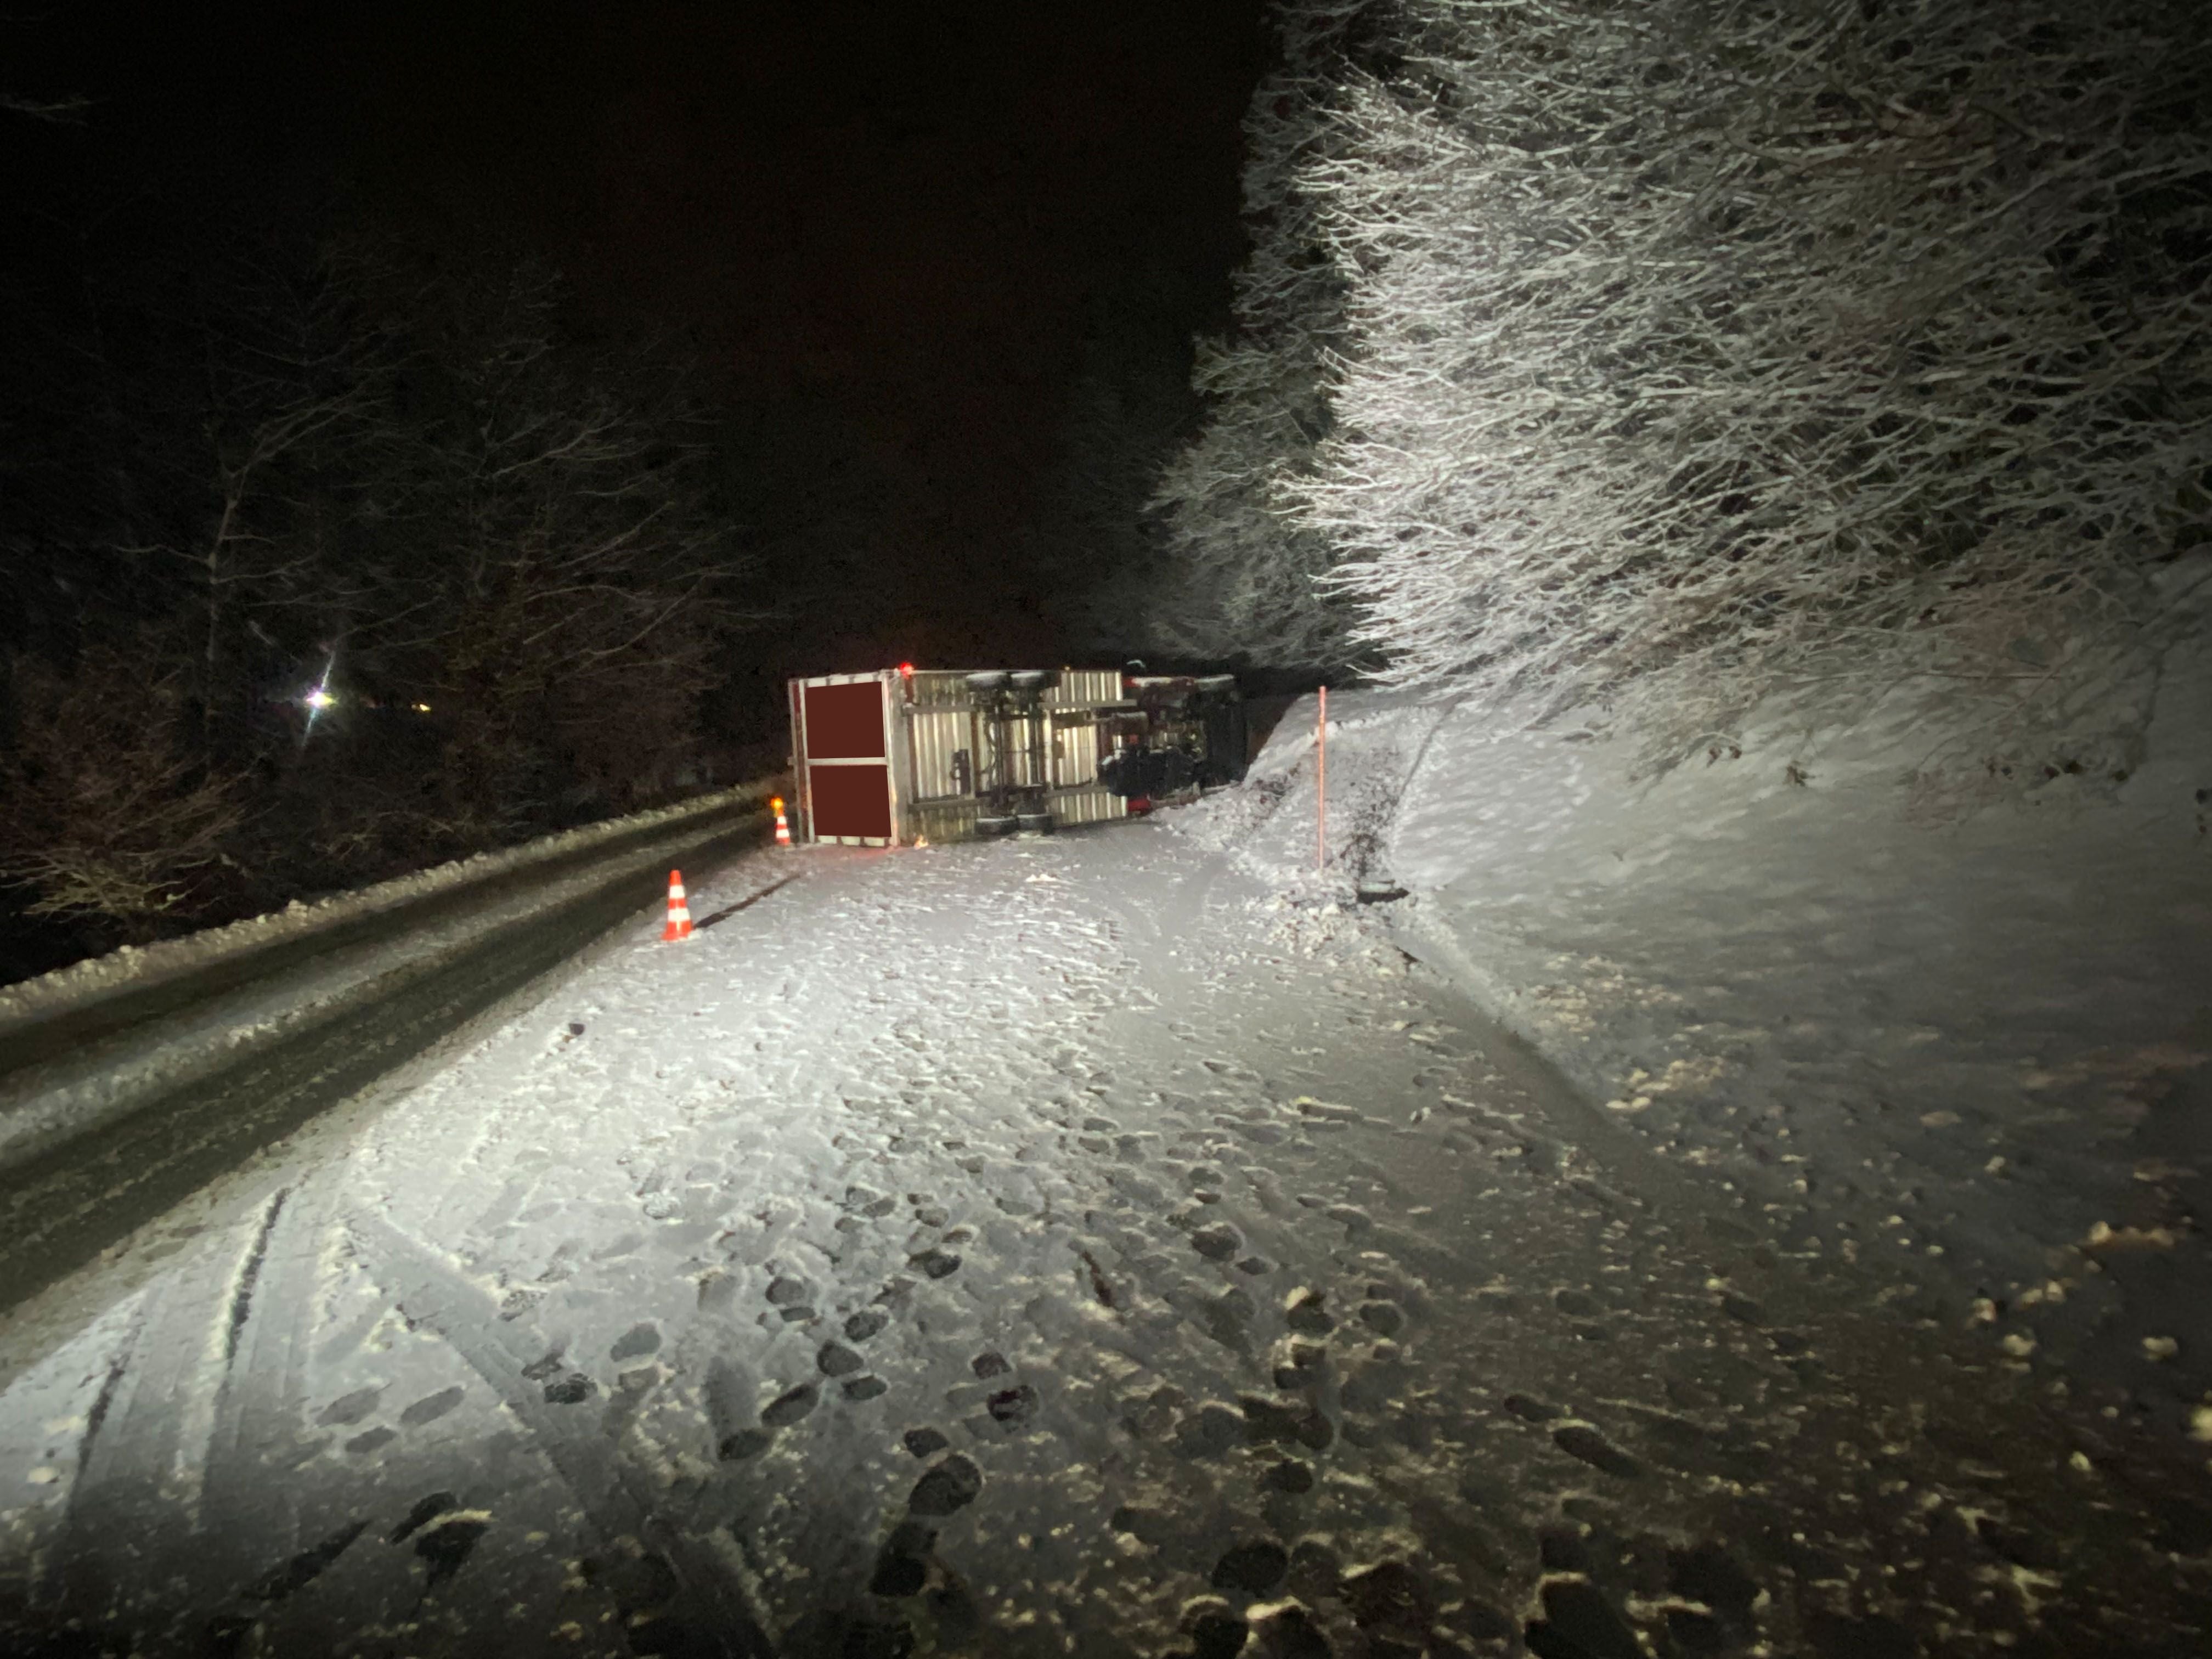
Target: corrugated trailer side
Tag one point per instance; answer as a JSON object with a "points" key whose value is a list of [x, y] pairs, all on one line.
{"points": [[899, 756]]}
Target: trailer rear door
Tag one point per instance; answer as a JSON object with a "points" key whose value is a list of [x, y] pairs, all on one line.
{"points": [[842, 740]]}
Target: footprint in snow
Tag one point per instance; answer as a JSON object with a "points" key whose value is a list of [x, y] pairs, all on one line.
{"points": [[860, 1326], [1582, 1441], [902, 1567], [304, 1568], [430, 1408], [447, 1546], [1384, 1318], [936, 1263], [349, 1409], [1298, 1363], [1007, 1410], [1253, 1569], [1293, 1475], [1217, 1242], [947, 1487], [792, 1406], [1306, 1310], [1578, 1617], [743, 1445]]}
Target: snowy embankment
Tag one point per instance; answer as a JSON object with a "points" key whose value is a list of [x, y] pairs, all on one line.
{"points": [[1918, 1017], [212, 999], [134, 967]]}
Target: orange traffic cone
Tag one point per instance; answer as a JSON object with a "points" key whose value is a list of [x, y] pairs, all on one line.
{"points": [[782, 824], [679, 913]]}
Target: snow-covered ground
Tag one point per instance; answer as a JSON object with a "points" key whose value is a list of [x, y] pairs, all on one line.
{"points": [[1912, 1006], [1071, 1246]]}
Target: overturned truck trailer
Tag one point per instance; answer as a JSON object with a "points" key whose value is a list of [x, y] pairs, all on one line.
{"points": [[936, 755]]}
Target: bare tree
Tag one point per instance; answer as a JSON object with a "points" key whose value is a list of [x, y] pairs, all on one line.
{"points": [[505, 541], [291, 374], [106, 812], [558, 587], [1701, 347]]}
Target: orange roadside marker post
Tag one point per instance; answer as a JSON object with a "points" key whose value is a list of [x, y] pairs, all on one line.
{"points": [[679, 913], [1321, 784], [782, 824]]}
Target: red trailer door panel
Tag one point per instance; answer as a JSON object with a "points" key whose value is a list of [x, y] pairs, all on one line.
{"points": [[847, 764], [851, 800], [845, 722]]}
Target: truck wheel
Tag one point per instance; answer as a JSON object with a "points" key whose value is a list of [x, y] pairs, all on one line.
{"points": [[1035, 824], [996, 826]]}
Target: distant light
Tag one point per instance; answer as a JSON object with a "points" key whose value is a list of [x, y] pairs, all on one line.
{"points": [[420, 707], [775, 803], [319, 698], [906, 669]]}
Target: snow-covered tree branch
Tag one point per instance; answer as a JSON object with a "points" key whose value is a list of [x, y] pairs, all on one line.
{"points": [[1692, 346]]}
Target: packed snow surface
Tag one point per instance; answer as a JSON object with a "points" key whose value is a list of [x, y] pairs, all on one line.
{"points": [[1091, 1245]]}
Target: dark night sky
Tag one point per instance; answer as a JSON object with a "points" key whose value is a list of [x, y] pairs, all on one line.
{"points": [[892, 221]]}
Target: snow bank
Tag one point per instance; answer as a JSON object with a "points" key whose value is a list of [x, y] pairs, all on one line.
{"points": [[133, 967], [1915, 1011], [106, 1078]]}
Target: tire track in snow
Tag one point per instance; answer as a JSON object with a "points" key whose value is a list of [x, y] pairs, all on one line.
{"points": [[707, 1606]]}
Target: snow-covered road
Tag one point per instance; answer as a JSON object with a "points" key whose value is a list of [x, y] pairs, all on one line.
{"points": [[1060, 1246], [116, 1104]]}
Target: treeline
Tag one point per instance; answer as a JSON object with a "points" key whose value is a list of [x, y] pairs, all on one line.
{"points": [[326, 563], [1671, 354]]}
